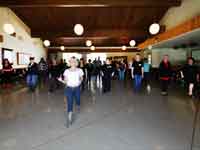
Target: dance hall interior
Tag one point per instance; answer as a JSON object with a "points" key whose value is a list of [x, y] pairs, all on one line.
{"points": [[99, 74]]}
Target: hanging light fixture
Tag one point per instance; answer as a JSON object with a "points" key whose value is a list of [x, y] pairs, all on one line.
{"points": [[88, 43], [62, 48], [154, 28], [47, 43], [132, 43], [78, 29], [92, 48], [124, 48]]}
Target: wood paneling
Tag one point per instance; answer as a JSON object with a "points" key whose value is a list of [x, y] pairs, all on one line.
{"points": [[106, 22], [79, 3], [92, 33], [111, 22], [187, 26], [96, 51]]}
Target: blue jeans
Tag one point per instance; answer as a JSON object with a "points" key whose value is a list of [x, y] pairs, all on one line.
{"points": [[137, 82], [121, 74], [31, 80], [72, 93]]}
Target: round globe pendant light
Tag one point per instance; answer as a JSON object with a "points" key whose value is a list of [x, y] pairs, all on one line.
{"points": [[124, 48], [47, 43], [8, 28], [132, 43], [154, 28], [92, 48], [62, 48], [88, 43], [78, 29]]}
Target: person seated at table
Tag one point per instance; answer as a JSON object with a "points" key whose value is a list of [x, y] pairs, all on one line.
{"points": [[7, 73]]}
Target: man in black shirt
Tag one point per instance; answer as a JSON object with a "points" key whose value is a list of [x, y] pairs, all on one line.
{"points": [[54, 73], [32, 74], [90, 68], [137, 72], [107, 73], [190, 75]]}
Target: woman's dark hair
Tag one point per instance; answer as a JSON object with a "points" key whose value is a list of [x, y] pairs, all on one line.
{"points": [[138, 54], [82, 59], [4, 62], [108, 59], [31, 58], [145, 60]]}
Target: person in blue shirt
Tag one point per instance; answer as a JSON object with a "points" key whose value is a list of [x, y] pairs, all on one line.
{"points": [[147, 68]]}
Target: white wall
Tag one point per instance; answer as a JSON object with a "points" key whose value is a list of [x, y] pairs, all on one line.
{"points": [[23, 42], [178, 15], [176, 56], [196, 54], [174, 17]]}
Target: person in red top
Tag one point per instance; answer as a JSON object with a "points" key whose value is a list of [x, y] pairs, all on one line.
{"points": [[165, 74], [7, 73]]}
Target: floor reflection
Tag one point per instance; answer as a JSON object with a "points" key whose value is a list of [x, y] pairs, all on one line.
{"points": [[141, 120]]}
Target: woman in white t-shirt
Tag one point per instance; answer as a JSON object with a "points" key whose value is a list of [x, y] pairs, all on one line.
{"points": [[73, 78]]}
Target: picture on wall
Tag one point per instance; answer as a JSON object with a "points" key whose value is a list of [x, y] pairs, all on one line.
{"points": [[8, 54], [23, 58]]}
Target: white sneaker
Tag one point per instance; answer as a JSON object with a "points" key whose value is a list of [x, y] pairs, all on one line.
{"points": [[70, 117], [164, 93], [148, 89]]}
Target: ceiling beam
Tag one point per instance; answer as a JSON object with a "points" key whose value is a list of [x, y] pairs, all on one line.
{"points": [[89, 3], [111, 33], [97, 50]]}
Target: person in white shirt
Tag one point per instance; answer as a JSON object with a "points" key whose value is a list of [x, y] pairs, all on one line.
{"points": [[73, 78]]}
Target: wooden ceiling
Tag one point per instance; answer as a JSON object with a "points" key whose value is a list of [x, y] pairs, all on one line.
{"points": [[106, 22]]}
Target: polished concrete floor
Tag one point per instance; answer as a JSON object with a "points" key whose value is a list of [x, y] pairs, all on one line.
{"points": [[120, 120]]}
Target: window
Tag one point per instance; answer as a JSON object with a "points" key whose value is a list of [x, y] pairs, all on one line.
{"points": [[94, 56]]}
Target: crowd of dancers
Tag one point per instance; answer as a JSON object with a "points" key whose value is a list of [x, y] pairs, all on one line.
{"points": [[77, 74]]}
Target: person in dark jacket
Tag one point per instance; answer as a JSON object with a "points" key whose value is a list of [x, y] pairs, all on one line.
{"points": [[90, 68], [83, 67], [122, 70], [165, 74], [7, 71], [43, 71], [54, 73], [107, 73], [190, 75], [32, 74], [99, 64]]}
